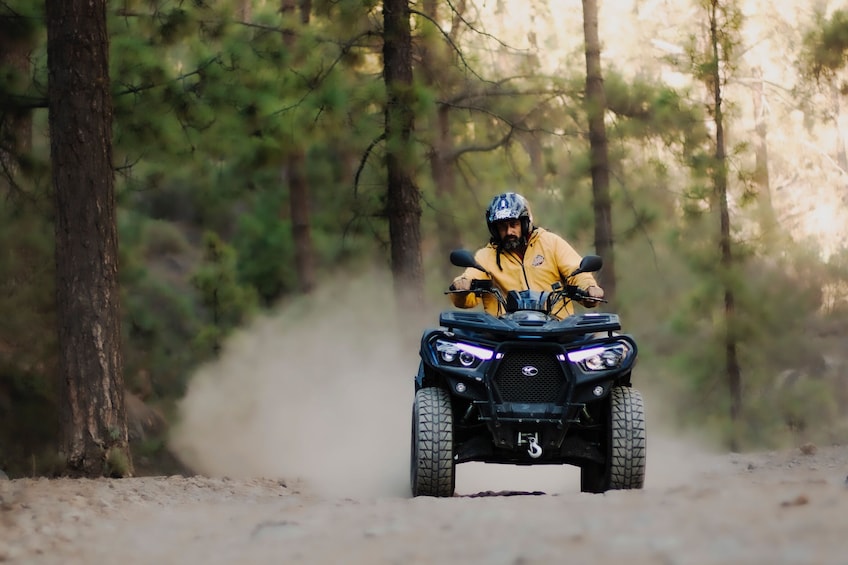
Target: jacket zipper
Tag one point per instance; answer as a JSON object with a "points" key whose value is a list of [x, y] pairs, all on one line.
{"points": [[520, 261], [523, 270]]}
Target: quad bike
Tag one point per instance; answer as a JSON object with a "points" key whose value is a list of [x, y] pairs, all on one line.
{"points": [[526, 388]]}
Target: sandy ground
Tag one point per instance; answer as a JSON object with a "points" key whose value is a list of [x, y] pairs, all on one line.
{"points": [[301, 446], [785, 507]]}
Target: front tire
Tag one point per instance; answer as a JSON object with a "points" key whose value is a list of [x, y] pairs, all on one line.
{"points": [[625, 446], [432, 466]]}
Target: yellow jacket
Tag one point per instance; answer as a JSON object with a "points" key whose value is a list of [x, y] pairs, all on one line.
{"points": [[548, 259]]}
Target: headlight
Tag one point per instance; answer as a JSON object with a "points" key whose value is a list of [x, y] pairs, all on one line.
{"points": [[461, 354], [601, 358]]}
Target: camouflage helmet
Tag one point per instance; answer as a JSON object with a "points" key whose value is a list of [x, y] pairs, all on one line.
{"points": [[509, 206]]}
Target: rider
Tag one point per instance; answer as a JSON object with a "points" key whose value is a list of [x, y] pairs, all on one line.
{"points": [[521, 256]]}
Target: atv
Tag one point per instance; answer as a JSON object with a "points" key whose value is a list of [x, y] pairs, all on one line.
{"points": [[526, 388]]}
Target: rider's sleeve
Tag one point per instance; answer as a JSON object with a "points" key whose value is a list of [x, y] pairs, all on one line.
{"points": [[568, 260], [466, 299]]}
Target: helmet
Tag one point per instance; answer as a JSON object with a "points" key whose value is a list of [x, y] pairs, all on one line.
{"points": [[509, 206]]}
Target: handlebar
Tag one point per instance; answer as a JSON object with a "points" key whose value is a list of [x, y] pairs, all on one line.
{"points": [[570, 292], [577, 293]]}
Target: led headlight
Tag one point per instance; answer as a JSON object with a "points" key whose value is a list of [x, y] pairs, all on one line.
{"points": [[603, 358], [461, 354], [466, 359]]}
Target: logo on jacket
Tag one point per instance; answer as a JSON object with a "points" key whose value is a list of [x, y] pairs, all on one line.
{"points": [[538, 260], [529, 371]]}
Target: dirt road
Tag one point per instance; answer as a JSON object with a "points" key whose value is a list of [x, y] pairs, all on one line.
{"points": [[784, 507]]}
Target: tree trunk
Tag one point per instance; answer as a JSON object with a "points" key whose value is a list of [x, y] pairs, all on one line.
{"points": [[734, 377], [531, 144], [768, 219], [93, 419], [244, 11], [15, 122], [305, 10], [596, 105], [444, 179], [442, 166], [294, 173], [841, 156], [403, 199]]}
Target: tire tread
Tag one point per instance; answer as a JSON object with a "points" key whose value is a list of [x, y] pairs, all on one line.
{"points": [[436, 470]]}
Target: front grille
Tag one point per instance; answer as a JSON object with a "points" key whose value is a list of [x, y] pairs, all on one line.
{"points": [[514, 386]]}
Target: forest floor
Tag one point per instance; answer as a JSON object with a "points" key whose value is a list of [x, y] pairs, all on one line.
{"points": [[696, 508]]}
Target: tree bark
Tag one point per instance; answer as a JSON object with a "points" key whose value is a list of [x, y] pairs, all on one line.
{"points": [[734, 376], [93, 419], [596, 106], [294, 173], [403, 198]]}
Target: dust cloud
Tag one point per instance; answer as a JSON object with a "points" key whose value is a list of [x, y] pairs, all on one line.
{"points": [[320, 393]]}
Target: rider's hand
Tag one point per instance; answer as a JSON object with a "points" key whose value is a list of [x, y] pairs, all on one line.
{"points": [[461, 283], [593, 291]]}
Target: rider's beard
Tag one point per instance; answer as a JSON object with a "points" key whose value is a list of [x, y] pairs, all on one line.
{"points": [[511, 243]]}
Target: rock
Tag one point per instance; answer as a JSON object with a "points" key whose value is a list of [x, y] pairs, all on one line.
{"points": [[799, 500]]}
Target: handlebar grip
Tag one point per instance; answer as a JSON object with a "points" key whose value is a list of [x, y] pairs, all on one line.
{"points": [[574, 292]]}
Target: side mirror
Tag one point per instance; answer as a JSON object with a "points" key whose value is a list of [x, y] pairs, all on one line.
{"points": [[589, 264], [464, 258]]}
